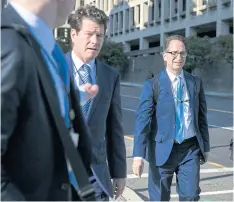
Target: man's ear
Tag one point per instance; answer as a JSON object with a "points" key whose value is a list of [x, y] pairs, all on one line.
{"points": [[73, 34], [164, 55]]}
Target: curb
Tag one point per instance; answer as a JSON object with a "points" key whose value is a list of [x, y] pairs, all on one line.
{"points": [[207, 93], [130, 195]]}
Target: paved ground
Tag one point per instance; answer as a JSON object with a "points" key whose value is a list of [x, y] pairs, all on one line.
{"points": [[216, 176]]}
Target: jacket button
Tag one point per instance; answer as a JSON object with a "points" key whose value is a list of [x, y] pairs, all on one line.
{"points": [[65, 186]]}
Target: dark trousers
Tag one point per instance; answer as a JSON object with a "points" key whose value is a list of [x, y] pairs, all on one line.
{"points": [[184, 161]]}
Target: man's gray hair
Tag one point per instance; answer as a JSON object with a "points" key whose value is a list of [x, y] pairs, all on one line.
{"points": [[90, 12], [176, 37]]}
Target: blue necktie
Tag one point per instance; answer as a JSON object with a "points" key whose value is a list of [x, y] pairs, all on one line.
{"points": [[86, 79], [64, 74], [179, 110]]}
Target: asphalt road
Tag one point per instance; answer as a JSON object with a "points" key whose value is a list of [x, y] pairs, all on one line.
{"points": [[216, 175]]}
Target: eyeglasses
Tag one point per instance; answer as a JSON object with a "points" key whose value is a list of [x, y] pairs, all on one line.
{"points": [[175, 54]]}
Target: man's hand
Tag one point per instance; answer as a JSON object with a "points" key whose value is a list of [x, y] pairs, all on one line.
{"points": [[118, 187], [138, 166], [91, 90], [204, 160]]}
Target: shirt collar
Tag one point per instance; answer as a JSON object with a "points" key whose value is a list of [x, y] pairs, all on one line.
{"points": [[173, 77], [40, 30], [78, 63]]}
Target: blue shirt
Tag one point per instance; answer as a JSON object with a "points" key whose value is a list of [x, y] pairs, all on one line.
{"points": [[44, 36]]}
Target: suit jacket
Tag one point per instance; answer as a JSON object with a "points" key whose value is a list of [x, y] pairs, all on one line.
{"points": [[105, 124], [33, 165], [155, 141]]}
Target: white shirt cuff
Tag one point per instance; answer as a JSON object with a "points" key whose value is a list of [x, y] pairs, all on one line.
{"points": [[138, 158], [83, 96]]}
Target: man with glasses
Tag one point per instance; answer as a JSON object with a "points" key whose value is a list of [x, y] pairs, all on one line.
{"points": [[172, 131]]}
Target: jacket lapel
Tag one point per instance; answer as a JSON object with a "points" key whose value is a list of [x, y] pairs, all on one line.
{"points": [[166, 84], [100, 83], [190, 87]]}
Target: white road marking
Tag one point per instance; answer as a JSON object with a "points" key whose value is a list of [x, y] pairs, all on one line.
{"points": [[225, 128], [214, 110], [202, 171], [215, 126], [209, 193]]}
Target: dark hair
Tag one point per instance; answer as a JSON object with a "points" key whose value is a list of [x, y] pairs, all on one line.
{"points": [[89, 12], [176, 37]]}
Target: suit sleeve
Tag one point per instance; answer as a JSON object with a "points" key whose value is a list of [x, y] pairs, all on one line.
{"points": [[143, 119], [116, 151], [202, 119], [13, 81]]}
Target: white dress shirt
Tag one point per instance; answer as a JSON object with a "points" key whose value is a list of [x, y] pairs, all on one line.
{"points": [[77, 64], [188, 124]]}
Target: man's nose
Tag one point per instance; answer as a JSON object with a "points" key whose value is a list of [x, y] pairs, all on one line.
{"points": [[94, 39]]}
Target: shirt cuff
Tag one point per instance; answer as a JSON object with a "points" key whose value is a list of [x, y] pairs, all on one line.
{"points": [[83, 96], [138, 158]]}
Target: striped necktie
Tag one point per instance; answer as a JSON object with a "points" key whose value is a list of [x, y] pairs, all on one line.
{"points": [[179, 110], [86, 79]]}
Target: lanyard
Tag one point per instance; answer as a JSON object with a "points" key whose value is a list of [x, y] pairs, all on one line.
{"points": [[174, 95], [77, 71]]}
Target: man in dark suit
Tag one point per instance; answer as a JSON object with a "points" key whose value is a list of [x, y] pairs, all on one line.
{"points": [[35, 85], [172, 131], [103, 113]]}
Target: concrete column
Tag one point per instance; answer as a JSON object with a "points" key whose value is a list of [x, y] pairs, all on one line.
{"points": [[97, 3], [144, 43], [105, 5], [222, 28], [188, 13], [114, 24], [156, 10], [136, 14], [189, 31], [165, 9], [119, 22], [127, 47], [77, 4], [180, 6], [131, 17], [199, 4], [172, 8], [110, 5], [125, 20], [101, 4], [110, 26], [163, 37]]}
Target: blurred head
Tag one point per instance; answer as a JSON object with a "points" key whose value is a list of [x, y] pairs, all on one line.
{"points": [[64, 8], [175, 53], [88, 29], [52, 12]]}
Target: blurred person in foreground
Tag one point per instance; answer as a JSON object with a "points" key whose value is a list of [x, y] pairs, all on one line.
{"points": [[35, 107], [103, 113]]}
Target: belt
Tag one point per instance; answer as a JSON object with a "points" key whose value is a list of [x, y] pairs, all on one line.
{"points": [[186, 140]]}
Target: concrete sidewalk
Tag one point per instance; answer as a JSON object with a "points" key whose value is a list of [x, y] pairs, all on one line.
{"points": [[208, 93]]}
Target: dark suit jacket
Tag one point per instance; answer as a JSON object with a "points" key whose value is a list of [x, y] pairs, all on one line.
{"points": [[160, 139], [33, 165], [105, 124]]}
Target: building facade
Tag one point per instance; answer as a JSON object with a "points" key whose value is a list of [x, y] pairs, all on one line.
{"points": [[144, 24]]}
